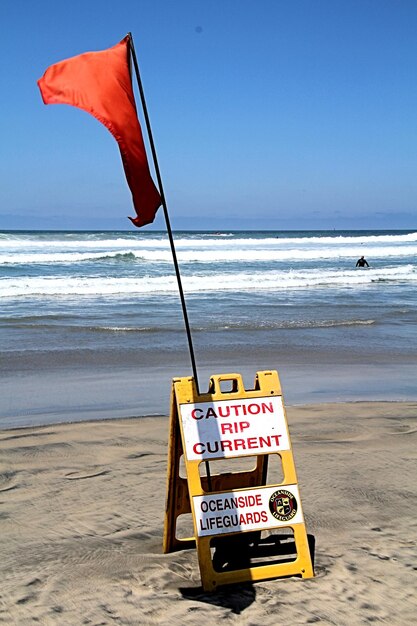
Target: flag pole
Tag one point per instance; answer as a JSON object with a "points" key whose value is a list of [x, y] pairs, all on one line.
{"points": [[165, 209]]}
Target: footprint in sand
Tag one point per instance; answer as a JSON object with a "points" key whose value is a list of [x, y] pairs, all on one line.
{"points": [[82, 474], [7, 481]]}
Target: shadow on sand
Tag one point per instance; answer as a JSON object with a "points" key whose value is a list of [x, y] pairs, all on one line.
{"points": [[242, 552]]}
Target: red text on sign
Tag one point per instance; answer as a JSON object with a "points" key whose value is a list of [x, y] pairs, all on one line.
{"points": [[233, 410], [234, 427], [234, 445]]}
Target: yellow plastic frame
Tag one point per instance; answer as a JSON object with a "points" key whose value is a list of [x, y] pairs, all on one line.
{"points": [[180, 491]]}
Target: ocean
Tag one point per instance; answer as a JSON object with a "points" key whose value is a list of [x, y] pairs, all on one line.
{"points": [[91, 324]]}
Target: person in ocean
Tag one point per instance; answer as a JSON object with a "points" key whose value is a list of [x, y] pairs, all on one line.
{"points": [[362, 262]]}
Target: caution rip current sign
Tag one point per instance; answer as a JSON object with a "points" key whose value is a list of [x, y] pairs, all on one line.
{"points": [[251, 509], [227, 428], [220, 426]]}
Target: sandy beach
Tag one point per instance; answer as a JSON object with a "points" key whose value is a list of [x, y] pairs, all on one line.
{"points": [[82, 510]]}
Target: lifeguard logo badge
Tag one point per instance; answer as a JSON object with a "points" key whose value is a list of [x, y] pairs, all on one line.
{"points": [[283, 505]]}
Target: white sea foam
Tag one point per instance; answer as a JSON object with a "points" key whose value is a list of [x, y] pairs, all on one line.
{"points": [[133, 240], [238, 282], [228, 254]]}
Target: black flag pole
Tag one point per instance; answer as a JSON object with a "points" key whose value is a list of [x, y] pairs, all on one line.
{"points": [[165, 209]]}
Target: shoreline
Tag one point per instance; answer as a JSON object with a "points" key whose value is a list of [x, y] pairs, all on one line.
{"points": [[157, 416], [52, 397]]}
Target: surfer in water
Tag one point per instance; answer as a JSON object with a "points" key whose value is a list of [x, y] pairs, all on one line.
{"points": [[362, 262]]}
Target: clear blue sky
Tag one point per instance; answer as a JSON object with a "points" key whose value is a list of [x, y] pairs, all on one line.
{"points": [[265, 113]]}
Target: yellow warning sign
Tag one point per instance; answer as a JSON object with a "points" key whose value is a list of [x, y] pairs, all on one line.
{"points": [[246, 507]]}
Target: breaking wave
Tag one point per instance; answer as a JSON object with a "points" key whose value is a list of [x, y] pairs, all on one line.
{"points": [[94, 286]]}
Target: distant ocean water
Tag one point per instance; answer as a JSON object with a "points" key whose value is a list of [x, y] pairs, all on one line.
{"points": [[108, 302]]}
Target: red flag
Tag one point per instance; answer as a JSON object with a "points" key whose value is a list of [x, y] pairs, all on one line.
{"points": [[100, 83]]}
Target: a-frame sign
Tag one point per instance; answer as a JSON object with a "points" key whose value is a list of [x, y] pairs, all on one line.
{"points": [[231, 510]]}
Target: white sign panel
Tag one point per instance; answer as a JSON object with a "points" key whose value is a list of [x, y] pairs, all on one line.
{"points": [[248, 509], [228, 428]]}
